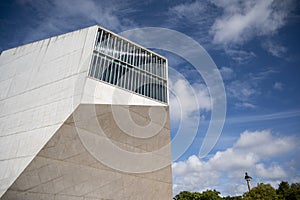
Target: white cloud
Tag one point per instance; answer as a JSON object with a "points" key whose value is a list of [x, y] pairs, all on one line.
{"points": [[240, 56], [245, 105], [274, 48], [242, 90], [251, 152], [274, 172], [278, 86], [247, 88], [243, 20], [190, 11], [58, 16], [227, 73], [187, 99], [199, 15], [261, 118]]}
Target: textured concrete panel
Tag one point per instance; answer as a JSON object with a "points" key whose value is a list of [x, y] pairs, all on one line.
{"points": [[66, 169], [41, 85]]}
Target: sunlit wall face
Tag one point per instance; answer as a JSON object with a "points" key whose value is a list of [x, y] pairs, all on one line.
{"points": [[129, 66]]}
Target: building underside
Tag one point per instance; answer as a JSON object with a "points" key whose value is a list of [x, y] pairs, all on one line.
{"points": [[66, 168]]}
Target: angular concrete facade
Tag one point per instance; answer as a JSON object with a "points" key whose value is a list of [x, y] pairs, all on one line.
{"points": [[65, 135]]}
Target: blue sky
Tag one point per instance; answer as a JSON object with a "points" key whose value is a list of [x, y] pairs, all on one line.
{"points": [[255, 47]]}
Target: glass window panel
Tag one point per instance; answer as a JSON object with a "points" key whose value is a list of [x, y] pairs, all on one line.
{"points": [[96, 71], [165, 92], [147, 85], [100, 40], [127, 52], [121, 49], [98, 66], [130, 54], [133, 80], [143, 59], [118, 48], [117, 74], [111, 72], [115, 48], [97, 40], [138, 80], [92, 68], [133, 56], [106, 43], [101, 66], [164, 69], [127, 78], [122, 75], [106, 69]]}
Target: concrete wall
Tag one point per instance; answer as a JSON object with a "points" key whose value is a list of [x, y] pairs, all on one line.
{"points": [[67, 168], [40, 86]]}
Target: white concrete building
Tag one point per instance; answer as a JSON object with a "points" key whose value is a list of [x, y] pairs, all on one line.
{"points": [[84, 115]]}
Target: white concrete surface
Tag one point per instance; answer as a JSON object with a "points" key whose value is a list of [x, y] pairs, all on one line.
{"points": [[40, 86]]}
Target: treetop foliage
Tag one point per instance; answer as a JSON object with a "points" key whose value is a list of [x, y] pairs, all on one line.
{"points": [[262, 191]]}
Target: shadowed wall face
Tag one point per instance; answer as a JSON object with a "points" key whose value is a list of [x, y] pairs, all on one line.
{"points": [[68, 168]]}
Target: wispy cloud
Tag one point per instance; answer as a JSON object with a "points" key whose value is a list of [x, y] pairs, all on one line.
{"points": [[56, 17], [278, 86], [227, 73], [251, 152], [239, 55], [243, 91], [245, 105], [265, 117], [197, 15], [243, 20], [274, 48], [248, 88]]}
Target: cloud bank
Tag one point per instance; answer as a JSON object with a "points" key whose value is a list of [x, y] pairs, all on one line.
{"points": [[252, 152]]}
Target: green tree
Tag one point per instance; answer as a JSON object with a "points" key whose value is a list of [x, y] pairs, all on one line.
{"points": [[261, 192], [210, 195], [283, 190], [186, 195], [294, 193], [206, 195]]}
